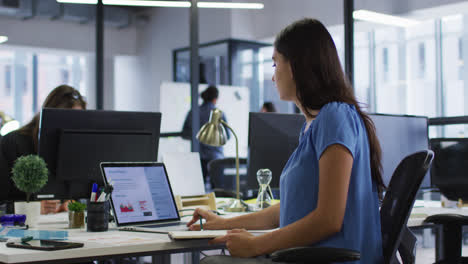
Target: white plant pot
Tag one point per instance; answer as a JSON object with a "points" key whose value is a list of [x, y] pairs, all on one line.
{"points": [[32, 210]]}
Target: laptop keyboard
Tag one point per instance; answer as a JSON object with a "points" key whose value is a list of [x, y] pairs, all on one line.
{"points": [[163, 225], [157, 228]]}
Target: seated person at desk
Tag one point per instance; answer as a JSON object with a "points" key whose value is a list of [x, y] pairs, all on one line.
{"points": [[268, 107], [331, 185], [24, 141]]}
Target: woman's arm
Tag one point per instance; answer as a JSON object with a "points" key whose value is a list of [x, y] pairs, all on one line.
{"points": [[335, 167], [265, 219]]}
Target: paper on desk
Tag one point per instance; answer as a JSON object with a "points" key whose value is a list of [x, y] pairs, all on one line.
{"points": [[196, 234], [36, 234], [115, 239], [208, 233]]}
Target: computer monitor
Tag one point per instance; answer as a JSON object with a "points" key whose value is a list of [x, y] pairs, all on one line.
{"points": [[400, 136], [74, 142], [449, 170], [273, 137]]}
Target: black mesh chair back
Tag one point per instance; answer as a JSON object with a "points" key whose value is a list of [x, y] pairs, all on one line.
{"points": [[399, 200], [225, 185]]}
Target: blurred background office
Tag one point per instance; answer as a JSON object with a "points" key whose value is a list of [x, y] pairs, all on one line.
{"points": [[268, 107], [417, 68], [412, 64]]}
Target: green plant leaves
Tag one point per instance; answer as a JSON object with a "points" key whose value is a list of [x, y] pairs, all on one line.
{"points": [[30, 174], [76, 206]]}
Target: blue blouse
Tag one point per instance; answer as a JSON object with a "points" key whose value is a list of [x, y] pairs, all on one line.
{"points": [[336, 123]]}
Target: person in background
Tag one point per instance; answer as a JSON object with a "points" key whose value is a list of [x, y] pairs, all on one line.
{"points": [[207, 153], [268, 107], [331, 185], [24, 141]]}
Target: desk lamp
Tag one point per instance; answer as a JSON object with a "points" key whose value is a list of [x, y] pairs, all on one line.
{"points": [[214, 134], [7, 124]]}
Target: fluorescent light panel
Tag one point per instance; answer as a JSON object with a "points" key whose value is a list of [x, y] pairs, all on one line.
{"points": [[147, 3], [369, 16], [90, 2], [230, 5], [3, 39], [168, 3]]}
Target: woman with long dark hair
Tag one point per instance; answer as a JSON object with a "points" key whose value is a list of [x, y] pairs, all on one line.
{"points": [[24, 141], [331, 185]]}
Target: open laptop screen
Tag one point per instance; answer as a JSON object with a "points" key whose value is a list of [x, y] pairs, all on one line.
{"points": [[142, 193]]}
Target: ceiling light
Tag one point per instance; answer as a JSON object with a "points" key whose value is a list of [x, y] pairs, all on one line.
{"points": [[230, 5], [168, 3], [91, 2], [380, 18], [3, 39], [147, 3]]}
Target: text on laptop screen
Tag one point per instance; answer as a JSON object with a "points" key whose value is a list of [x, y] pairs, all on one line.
{"points": [[141, 194]]}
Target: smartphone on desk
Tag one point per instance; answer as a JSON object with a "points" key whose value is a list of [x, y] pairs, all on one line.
{"points": [[42, 244]]}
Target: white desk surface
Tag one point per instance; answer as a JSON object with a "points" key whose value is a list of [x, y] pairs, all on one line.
{"points": [[113, 242], [423, 209], [99, 244]]}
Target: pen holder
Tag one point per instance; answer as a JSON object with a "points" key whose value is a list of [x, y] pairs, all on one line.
{"points": [[98, 216]]}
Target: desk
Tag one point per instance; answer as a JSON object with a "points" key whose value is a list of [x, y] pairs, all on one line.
{"points": [[113, 243], [105, 245], [424, 209]]}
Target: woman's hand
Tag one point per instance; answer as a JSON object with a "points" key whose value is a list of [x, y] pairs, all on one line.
{"points": [[53, 206], [213, 221], [49, 206], [240, 243], [63, 207]]}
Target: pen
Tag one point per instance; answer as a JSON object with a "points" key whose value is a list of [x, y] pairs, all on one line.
{"points": [[102, 197], [93, 192], [201, 223]]}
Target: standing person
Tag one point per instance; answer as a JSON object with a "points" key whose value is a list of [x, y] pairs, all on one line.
{"points": [[331, 185], [24, 141], [207, 153], [268, 107]]}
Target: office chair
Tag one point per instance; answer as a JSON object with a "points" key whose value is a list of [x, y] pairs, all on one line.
{"points": [[394, 213], [222, 185], [449, 176], [449, 241]]}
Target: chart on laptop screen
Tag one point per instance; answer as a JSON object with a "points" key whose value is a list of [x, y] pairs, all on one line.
{"points": [[141, 194]]}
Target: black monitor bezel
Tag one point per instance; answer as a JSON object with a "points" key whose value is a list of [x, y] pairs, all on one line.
{"points": [[54, 121]]}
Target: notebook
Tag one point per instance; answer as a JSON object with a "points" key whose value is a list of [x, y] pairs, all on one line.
{"points": [[142, 199], [196, 234], [176, 235]]}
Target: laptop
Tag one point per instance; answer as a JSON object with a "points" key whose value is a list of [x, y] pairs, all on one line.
{"points": [[142, 199]]}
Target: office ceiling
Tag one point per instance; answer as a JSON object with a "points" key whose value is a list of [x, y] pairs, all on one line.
{"points": [[119, 17]]}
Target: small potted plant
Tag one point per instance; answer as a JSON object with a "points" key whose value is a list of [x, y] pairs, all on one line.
{"points": [[30, 174], [76, 214]]}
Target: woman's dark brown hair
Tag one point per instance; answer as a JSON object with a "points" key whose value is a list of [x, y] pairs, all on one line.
{"points": [[319, 78], [63, 96], [209, 94]]}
